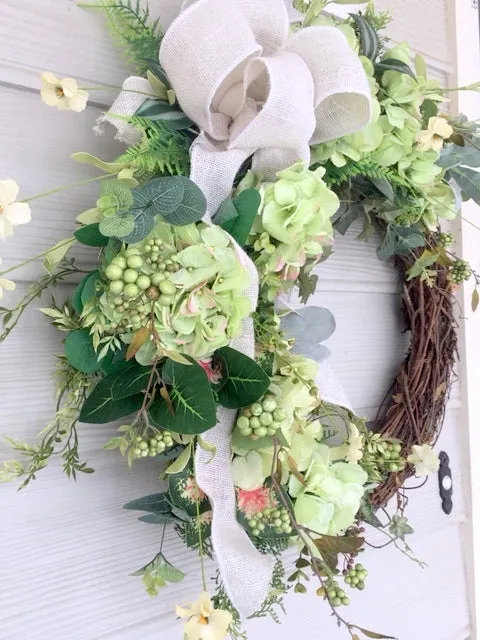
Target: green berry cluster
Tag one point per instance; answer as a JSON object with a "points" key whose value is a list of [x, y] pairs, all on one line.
{"points": [[154, 446], [134, 290], [390, 457], [460, 271], [445, 239], [262, 418], [356, 577], [276, 517], [335, 594]]}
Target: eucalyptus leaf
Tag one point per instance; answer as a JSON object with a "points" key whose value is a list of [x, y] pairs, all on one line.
{"points": [[469, 182], [154, 503], [192, 399], [246, 382], [369, 43], [453, 155], [91, 236], [80, 353], [192, 207], [309, 325], [142, 225], [400, 240], [117, 226], [158, 518]]}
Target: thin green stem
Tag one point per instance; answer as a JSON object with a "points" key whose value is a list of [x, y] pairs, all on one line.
{"points": [[40, 255], [72, 185], [200, 538], [107, 88]]}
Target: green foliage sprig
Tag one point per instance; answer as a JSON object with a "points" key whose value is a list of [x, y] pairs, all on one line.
{"points": [[130, 23]]}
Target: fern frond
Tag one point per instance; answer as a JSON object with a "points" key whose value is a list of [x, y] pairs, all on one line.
{"points": [[130, 23], [335, 176], [160, 151]]}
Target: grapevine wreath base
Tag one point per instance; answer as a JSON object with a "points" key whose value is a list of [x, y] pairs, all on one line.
{"points": [[241, 165]]}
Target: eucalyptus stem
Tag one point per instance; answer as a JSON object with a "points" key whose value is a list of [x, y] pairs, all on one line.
{"points": [[72, 185]]}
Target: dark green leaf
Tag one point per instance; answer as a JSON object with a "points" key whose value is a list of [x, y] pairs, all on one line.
{"points": [[246, 382], [227, 213], [390, 64], [428, 109], [89, 288], [173, 118], [345, 216], [80, 353], [128, 381], [76, 298], [114, 361], [91, 236], [192, 207], [113, 247], [307, 284], [246, 206], [154, 503], [469, 182], [101, 407], [369, 43], [192, 398]]}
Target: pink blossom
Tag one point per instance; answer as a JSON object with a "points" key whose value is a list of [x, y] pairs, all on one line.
{"points": [[253, 502], [214, 374]]}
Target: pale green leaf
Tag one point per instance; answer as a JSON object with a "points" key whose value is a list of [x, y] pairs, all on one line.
{"points": [[57, 253], [181, 462]]}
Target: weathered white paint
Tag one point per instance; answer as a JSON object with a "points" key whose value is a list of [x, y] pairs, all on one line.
{"points": [[66, 551]]}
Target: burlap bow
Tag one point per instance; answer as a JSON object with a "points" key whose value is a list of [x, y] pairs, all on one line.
{"points": [[253, 90]]}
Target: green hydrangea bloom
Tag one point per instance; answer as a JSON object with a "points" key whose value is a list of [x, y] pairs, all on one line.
{"points": [[189, 280], [331, 498], [293, 225]]}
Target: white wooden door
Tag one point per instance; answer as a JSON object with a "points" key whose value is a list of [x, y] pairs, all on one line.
{"points": [[66, 550]]}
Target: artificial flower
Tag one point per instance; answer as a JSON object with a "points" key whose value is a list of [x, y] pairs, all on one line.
{"points": [[432, 138], [12, 213], [62, 93], [204, 622], [355, 445], [424, 459], [5, 285], [330, 498], [247, 471]]}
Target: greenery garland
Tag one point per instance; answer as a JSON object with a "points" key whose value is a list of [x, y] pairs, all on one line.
{"points": [[148, 332]]}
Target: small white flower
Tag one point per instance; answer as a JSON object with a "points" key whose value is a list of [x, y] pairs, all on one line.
{"points": [[355, 445], [5, 285], [11, 213], [432, 138], [62, 93], [204, 622], [424, 459]]}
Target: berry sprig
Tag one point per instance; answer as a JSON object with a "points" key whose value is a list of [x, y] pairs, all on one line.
{"points": [[154, 446], [276, 517], [262, 418]]}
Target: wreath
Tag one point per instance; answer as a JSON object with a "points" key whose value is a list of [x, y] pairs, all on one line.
{"points": [[245, 155]]}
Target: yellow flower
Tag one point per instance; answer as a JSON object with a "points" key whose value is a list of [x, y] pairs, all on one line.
{"points": [[432, 138], [11, 213], [63, 94], [204, 622], [5, 285], [425, 459]]}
